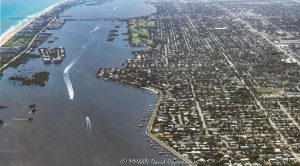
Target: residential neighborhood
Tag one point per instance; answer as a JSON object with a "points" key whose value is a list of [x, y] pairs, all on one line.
{"points": [[230, 84]]}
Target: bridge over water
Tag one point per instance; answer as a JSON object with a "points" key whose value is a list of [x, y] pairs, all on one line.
{"points": [[94, 19]]}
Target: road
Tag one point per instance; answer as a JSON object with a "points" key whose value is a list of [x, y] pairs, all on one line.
{"points": [[258, 103], [154, 113], [264, 36], [289, 115], [200, 112], [28, 46]]}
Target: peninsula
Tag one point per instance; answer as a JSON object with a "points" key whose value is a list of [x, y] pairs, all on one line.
{"points": [[228, 90]]}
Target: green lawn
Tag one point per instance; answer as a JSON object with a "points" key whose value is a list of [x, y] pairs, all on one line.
{"points": [[144, 32], [139, 31], [149, 42], [269, 90], [135, 41], [17, 41]]}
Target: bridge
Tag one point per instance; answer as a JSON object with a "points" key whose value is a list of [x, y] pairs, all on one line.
{"points": [[94, 19]]}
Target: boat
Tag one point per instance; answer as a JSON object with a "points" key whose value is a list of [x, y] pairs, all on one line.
{"points": [[32, 106], [3, 106], [33, 111]]}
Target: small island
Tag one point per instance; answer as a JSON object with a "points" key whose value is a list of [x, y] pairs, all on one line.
{"points": [[52, 55], [38, 79], [113, 34]]}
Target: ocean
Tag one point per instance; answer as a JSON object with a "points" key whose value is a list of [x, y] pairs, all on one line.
{"points": [[13, 12]]}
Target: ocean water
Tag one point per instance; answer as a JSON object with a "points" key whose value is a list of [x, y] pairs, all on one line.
{"points": [[20, 9]]}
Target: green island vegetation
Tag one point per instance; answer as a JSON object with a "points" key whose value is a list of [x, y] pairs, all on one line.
{"points": [[110, 39], [23, 59], [113, 34], [38, 79], [20, 43], [269, 90], [17, 41], [19, 61], [139, 32]]}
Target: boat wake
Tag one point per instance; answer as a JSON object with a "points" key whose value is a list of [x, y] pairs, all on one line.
{"points": [[19, 119], [74, 61], [88, 125], [95, 29]]}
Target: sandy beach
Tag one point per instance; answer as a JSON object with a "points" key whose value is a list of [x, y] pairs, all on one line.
{"points": [[12, 31]]}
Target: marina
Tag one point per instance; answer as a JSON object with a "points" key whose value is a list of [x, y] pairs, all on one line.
{"points": [[52, 55]]}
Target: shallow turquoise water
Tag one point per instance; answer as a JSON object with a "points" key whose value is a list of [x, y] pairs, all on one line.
{"points": [[20, 9]]}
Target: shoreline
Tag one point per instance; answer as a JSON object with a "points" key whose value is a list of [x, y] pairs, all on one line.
{"points": [[150, 125], [28, 46], [150, 89], [13, 30], [27, 21]]}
